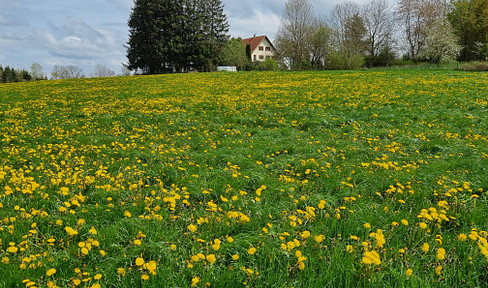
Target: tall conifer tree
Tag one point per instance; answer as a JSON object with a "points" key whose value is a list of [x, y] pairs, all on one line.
{"points": [[145, 50], [176, 35]]}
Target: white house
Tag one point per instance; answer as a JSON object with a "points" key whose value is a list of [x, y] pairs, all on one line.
{"points": [[261, 48]]}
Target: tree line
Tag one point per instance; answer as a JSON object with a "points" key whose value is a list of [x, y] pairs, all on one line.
{"points": [[186, 35], [373, 34], [9, 74]]}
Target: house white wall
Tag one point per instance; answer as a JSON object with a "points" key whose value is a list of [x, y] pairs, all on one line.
{"points": [[267, 51]]}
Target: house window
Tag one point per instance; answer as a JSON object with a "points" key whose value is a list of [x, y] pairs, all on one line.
{"points": [[261, 57], [261, 48], [255, 58], [268, 48], [268, 57]]}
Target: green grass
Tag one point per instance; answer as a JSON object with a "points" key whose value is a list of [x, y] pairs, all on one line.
{"points": [[271, 159]]}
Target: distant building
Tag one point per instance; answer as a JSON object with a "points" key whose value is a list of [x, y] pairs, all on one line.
{"points": [[261, 48], [227, 68]]}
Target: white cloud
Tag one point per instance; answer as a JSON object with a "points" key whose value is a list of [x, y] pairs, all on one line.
{"points": [[124, 5], [76, 39], [256, 23]]}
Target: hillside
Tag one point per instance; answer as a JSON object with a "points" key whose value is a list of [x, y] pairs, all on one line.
{"points": [[304, 179]]}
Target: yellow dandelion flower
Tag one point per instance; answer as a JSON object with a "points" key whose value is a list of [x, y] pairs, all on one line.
{"points": [[50, 272], [409, 272], [139, 261], [211, 258], [305, 234], [70, 231], [12, 249], [93, 231], [194, 281], [151, 266], [404, 222], [441, 254], [319, 238], [235, 257], [371, 257], [425, 247], [97, 277], [349, 249], [145, 277], [121, 271], [438, 270], [252, 250], [192, 228], [290, 245], [462, 237]]}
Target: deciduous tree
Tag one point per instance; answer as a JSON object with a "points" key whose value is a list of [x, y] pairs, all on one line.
{"points": [[295, 32], [470, 22], [349, 36], [234, 54], [441, 44], [36, 71], [320, 46], [102, 70], [378, 19], [66, 72], [417, 16]]}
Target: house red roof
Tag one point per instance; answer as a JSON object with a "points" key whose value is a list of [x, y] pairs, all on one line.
{"points": [[255, 41]]}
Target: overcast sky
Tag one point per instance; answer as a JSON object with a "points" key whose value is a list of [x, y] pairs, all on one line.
{"points": [[89, 32]]}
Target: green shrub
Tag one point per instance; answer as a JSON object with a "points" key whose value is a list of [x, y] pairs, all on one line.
{"points": [[474, 66], [267, 65]]}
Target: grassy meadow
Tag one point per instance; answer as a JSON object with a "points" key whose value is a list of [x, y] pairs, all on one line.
{"points": [[269, 179]]}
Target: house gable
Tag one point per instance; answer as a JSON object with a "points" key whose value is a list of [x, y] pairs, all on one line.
{"points": [[261, 48]]}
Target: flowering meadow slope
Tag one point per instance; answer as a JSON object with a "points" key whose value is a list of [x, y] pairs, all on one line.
{"points": [[333, 179]]}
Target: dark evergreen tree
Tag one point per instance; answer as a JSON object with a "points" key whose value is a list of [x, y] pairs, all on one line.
{"points": [[8, 75], [26, 75], [249, 52], [146, 48], [176, 35], [214, 29], [191, 35]]}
